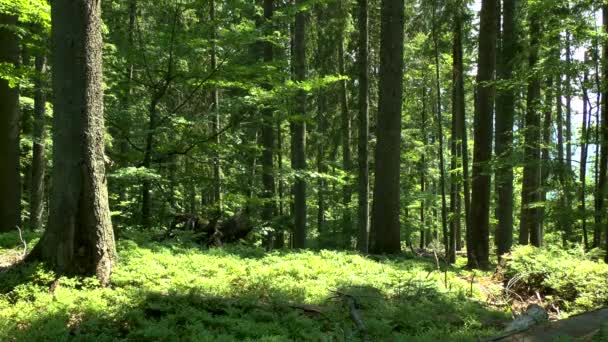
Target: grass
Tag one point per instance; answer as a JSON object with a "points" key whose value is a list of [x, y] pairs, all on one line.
{"points": [[171, 291]]}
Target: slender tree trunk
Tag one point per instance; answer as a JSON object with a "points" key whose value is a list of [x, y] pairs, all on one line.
{"points": [[10, 178], [268, 133], [505, 112], [363, 139], [346, 140], [38, 159], [482, 153], [299, 130], [79, 237], [423, 170], [215, 103], [321, 167], [545, 157], [529, 228], [604, 126], [279, 240], [444, 209], [584, 147], [385, 208], [598, 198], [568, 181]]}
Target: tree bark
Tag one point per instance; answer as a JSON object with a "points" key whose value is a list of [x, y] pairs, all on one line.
{"points": [[268, 133], [79, 237], [346, 140], [215, 126], [385, 207], [482, 152], [584, 148], [363, 128], [299, 130], [604, 126], [10, 177], [505, 112], [529, 228], [38, 158]]}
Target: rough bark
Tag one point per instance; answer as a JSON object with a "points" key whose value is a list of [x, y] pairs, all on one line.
{"points": [[299, 130], [79, 237], [482, 152], [505, 112], [385, 207], [529, 228], [10, 178], [38, 158], [363, 129]]}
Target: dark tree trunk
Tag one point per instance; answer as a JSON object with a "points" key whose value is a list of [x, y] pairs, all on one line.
{"points": [[529, 228], [363, 142], [38, 159], [604, 125], [279, 239], [79, 237], [10, 178], [268, 133], [385, 210], [482, 152], [299, 130], [505, 112], [584, 148]]}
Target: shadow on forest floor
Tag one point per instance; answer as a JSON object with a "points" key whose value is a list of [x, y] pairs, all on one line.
{"points": [[172, 291]]}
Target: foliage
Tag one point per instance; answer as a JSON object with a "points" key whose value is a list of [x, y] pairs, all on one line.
{"points": [[171, 291], [572, 279]]}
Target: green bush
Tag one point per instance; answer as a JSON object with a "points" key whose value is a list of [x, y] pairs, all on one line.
{"points": [[570, 278]]}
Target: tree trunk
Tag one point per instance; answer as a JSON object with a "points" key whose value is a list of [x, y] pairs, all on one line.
{"points": [[299, 130], [268, 133], [10, 178], [363, 142], [215, 103], [79, 237], [385, 207], [545, 157], [444, 209], [38, 159], [482, 152], [346, 139], [529, 228], [584, 147], [505, 112], [604, 125]]}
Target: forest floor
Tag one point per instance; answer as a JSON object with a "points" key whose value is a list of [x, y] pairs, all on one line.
{"points": [[176, 291]]}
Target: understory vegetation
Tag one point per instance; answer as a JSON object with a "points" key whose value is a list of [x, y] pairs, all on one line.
{"points": [[174, 290]]}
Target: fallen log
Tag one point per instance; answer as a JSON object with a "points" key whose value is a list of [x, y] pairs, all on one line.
{"points": [[580, 327]]}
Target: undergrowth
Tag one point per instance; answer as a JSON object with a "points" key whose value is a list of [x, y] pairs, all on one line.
{"points": [[170, 291]]}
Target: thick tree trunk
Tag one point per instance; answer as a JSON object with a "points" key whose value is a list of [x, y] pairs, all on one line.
{"points": [[385, 208], [505, 112], [38, 159], [299, 131], [79, 237], [529, 228], [10, 178], [363, 139], [482, 152]]}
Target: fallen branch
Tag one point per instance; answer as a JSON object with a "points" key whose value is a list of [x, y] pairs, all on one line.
{"points": [[23, 242], [355, 314]]}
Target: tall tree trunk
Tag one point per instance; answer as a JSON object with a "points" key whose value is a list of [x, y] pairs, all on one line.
{"points": [[79, 237], [444, 209], [215, 103], [584, 148], [363, 139], [505, 112], [423, 170], [299, 130], [10, 178], [482, 152], [568, 181], [385, 207], [604, 125], [529, 228], [598, 196], [279, 240], [321, 167], [545, 157], [346, 140], [38, 159], [268, 133]]}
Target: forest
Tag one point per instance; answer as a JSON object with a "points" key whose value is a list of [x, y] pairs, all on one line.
{"points": [[303, 170]]}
